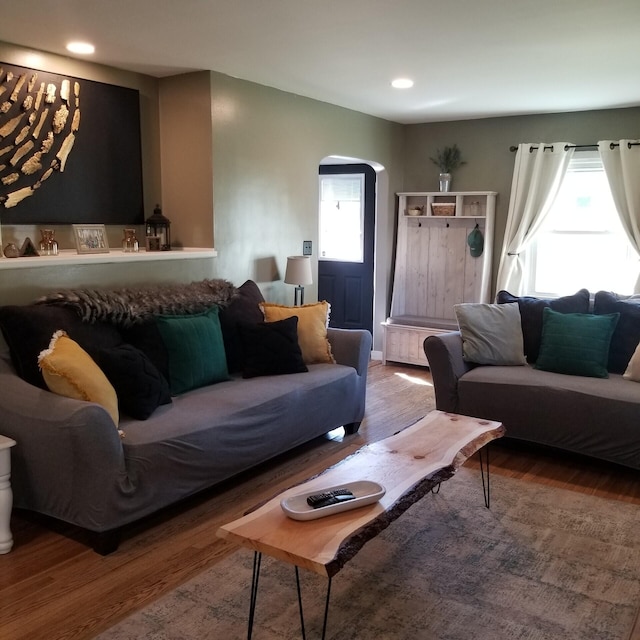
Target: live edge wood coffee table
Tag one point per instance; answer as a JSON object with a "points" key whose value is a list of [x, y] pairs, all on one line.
{"points": [[408, 465]]}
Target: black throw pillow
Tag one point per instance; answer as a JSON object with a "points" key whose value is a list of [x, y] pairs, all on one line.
{"points": [[626, 336], [531, 310], [140, 387], [243, 309], [146, 337], [271, 348], [28, 329]]}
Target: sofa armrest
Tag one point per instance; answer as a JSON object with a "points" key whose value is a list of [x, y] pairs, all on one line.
{"points": [[68, 457], [444, 353], [351, 347]]}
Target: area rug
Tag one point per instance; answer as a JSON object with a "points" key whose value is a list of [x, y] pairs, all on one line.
{"points": [[541, 564]]}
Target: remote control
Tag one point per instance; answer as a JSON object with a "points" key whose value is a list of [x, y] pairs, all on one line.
{"points": [[329, 498]]}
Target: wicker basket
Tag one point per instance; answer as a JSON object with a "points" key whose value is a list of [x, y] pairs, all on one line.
{"points": [[443, 209]]}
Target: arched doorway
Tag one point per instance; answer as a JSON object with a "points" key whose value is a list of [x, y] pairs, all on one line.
{"points": [[347, 212]]}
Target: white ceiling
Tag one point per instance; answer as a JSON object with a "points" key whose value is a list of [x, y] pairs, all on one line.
{"points": [[469, 58]]}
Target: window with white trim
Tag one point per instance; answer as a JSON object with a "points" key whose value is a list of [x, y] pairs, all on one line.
{"points": [[582, 243]]}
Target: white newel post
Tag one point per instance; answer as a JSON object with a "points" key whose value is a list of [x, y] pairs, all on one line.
{"points": [[6, 497]]}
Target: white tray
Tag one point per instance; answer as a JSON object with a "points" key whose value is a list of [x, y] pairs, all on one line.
{"points": [[365, 492]]}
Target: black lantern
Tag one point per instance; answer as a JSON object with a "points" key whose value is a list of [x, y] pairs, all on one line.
{"points": [[157, 231]]}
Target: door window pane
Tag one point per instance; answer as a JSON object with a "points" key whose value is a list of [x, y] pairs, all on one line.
{"points": [[342, 217]]}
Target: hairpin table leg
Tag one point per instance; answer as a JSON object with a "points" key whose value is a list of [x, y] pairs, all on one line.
{"points": [[486, 487], [257, 560], [326, 607]]}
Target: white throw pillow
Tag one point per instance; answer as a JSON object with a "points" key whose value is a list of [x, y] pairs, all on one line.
{"points": [[491, 333], [633, 368]]}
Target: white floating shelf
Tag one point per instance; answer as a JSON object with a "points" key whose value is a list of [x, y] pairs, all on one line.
{"points": [[71, 257]]}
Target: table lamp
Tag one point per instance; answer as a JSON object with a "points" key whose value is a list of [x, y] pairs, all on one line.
{"points": [[299, 273]]}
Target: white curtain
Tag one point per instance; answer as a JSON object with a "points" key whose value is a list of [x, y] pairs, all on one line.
{"points": [[537, 176], [621, 162]]}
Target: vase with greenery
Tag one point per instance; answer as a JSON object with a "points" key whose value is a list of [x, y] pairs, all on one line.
{"points": [[447, 160]]}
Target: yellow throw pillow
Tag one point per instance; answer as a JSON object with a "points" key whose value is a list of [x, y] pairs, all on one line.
{"points": [[312, 328], [70, 371], [633, 368]]}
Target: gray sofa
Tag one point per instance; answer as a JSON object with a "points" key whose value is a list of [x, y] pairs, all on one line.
{"points": [[598, 417], [71, 464]]}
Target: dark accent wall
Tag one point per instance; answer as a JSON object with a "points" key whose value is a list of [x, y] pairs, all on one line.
{"points": [[102, 177]]}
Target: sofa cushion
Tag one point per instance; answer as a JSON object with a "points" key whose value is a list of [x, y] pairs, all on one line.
{"points": [[576, 343], [491, 333], [632, 372], [244, 308], [531, 309], [140, 387], [570, 412], [28, 329], [70, 371], [627, 334], [195, 348], [271, 348], [313, 320]]}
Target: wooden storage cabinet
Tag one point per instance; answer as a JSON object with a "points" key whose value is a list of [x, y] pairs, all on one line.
{"points": [[434, 269]]}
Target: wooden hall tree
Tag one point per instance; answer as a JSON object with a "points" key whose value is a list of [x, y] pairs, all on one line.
{"points": [[435, 268]]}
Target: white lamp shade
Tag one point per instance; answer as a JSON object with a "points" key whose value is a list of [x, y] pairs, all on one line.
{"points": [[298, 270]]}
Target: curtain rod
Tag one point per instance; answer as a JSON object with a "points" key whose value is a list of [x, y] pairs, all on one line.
{"points": [[613, 145]]}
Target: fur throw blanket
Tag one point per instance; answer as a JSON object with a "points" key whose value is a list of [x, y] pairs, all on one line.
{"points": [[129, 306]]}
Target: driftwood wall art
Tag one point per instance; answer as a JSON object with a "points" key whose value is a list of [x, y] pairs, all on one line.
{"points": [[69, 150]]}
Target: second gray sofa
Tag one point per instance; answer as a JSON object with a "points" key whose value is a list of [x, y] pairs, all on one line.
{"points": [[594, 416]]}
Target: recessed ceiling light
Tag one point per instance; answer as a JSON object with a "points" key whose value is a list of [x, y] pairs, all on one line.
{"points": [[83, 48], [402, 83]]}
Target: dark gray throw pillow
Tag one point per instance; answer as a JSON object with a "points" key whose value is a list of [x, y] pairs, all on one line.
{"points": [[531, 310], [626, 336], [243, 309], [271, 348]]}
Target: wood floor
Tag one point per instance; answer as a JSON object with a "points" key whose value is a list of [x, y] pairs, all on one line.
{"points": [[53, 586]]}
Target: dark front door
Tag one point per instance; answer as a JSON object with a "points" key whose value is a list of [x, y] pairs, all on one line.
{"points": [[346, 247]]}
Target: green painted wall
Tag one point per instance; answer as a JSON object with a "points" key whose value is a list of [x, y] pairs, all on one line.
{"points": [[485, 148], [267, 147]]}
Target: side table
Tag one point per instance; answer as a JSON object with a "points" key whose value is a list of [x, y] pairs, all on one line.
{"points": [[6, 497]]}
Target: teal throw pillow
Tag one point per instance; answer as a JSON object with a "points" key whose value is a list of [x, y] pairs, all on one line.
{"points": [[195, 350], [576, 343]]}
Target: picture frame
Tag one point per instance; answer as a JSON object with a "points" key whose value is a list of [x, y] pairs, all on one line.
{"points": [[91, 238]]}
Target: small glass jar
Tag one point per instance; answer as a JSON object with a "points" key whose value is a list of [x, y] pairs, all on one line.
{"points": [[48, 243], [129, 241]]}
